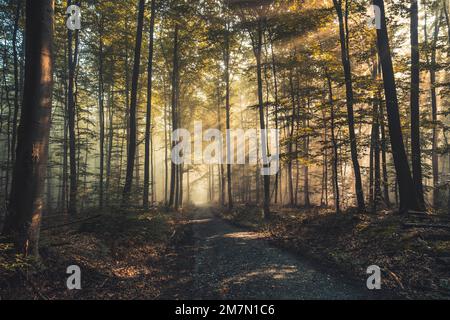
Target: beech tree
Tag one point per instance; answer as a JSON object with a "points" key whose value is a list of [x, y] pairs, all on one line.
{"points": [[26, 200], [407, 191]]}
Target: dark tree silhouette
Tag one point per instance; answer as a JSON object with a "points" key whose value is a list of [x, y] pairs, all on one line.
{"points": [[26, 200]]}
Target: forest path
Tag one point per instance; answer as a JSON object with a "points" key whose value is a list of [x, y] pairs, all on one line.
{"points": [[232, 263]]}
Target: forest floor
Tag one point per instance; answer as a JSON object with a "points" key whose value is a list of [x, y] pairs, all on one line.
{"points": [[121, 254], [164, 255], [157, 254], [412, 251]]}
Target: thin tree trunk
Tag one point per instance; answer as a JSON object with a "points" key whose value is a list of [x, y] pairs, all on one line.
{"points": [[220, 166], [377, 187], [415, 111], [335, 147], [173, 172], [306, 169], [290, 143], [227, 109], [64, 185], [71, 109], [110, 141], [148, 121], [166, 166], [101, 113], [16, 81], [8, 127], [266, 178], [386, 196], [434, 108], [371, 165], [275, 88], [349, 94], [131, 156]]}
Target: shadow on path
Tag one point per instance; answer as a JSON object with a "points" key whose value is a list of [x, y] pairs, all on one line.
{"points": [[232, 263]]}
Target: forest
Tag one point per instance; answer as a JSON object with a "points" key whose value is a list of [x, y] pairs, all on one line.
{"points": [[350, 97]]}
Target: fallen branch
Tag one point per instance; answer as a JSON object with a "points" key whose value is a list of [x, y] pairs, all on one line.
{"points": [[396, 278]]}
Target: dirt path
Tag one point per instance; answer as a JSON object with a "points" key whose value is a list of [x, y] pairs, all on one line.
{"points": [[232, 263]]}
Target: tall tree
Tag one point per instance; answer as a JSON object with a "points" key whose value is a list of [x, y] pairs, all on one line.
{"points": [[175, 83], [16, 81], [71, 110], [257, 41], [131, 155], [415, 112], [407, 191], [148, 122], [101, 111], [431, 61], [344, 40], [26, 201], [335, 158], [226, 55]]}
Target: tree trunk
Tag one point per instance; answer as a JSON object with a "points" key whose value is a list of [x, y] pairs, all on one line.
{"points": [[71, 109], [63, 200], [306, 150], [101, 113], [415, 111], [349, 94], [220, 166], [227, 109], [166, 141], [386, 196], [275, 88], [290, 143], [266, 178], [377, 187], [148, 121], [408, 198], [133, 104], [110, 141], [371, 162], [434, 111], [173, 171], [8, 127], [16, 82], [335, 147], [26, 201]]}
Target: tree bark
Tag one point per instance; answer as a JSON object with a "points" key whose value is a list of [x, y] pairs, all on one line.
{"points": [[415, 111], [71, 110], [408, 198], [335, 146], [434, 107], [227, 109], [148, 122], [26, 201], [101, 113], [173, 171], [349, 94], [386, 196], [16, 82], [133, 104]]}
